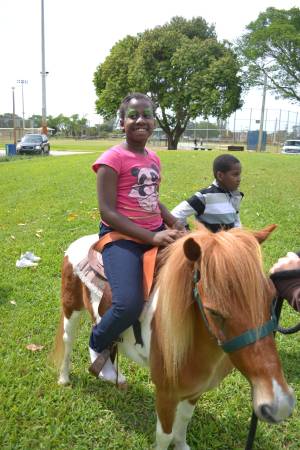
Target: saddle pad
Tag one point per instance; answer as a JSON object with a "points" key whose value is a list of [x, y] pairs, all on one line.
{"points": [[91, 271], [90, 276]]}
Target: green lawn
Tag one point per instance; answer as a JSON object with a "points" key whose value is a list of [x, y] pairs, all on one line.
{"points": [[82, 145], [48, 202]]}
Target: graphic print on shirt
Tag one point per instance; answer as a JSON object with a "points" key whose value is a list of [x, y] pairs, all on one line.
{"points": [[146, 188]]}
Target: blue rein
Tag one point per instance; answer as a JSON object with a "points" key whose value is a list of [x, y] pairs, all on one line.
{"points": [[247, 338]]}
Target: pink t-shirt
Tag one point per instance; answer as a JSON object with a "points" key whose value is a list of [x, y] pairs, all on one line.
{"points": [[138, 182]]}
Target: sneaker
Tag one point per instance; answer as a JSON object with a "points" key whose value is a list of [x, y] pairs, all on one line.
{"points": [[31, 257], [24, 262]]}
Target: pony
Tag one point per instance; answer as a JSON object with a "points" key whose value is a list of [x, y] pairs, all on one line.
{"points": [[209, 312]]}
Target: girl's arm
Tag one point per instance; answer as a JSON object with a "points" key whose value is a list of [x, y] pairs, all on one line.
{"points": [[168, 218], [107, 180]]}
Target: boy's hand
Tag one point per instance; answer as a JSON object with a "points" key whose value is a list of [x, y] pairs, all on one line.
{"points": [[165, 237], [178, 226]]}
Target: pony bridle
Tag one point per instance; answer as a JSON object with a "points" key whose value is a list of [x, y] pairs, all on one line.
{"points": [[246, 338]]}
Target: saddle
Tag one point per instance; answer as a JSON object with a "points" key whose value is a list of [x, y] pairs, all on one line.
{"points": [[91, 269]]}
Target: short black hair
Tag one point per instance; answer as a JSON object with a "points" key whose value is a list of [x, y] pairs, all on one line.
{"points": [[224, 163], [138, 96]]}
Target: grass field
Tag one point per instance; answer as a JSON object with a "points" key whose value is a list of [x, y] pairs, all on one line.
{"points": [[82, 145], [48, 202]]}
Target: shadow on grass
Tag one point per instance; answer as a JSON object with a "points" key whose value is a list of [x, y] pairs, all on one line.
{"points": [[207, 432], [134, 409], [4, 294], [289, 360]]}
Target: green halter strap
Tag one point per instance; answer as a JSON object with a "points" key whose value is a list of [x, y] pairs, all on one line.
{"points": [[247, 338]]}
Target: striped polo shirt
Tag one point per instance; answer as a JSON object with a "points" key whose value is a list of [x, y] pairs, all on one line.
{"points": [[215, 207]]}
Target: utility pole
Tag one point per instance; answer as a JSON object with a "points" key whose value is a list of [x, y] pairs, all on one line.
{"points": [[250, 120], [275, 131], [14, 116], [261, 123], [22, 82], [234, 121], [43, 73]]}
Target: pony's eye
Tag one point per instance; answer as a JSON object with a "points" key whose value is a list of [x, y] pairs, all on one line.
{"points": [[215, 315]]}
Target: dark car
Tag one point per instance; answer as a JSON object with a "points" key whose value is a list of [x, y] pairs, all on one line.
{"points": [[33, 143]]}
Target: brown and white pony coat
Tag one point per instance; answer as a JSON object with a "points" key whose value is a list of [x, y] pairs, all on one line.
{"points": [[182, 352]]}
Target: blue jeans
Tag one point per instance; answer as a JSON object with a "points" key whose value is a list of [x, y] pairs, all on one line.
{"points": [[124, 270]]}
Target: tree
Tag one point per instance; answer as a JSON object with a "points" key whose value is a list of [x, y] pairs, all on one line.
{"points": [[271, 47], [111, 77], [181, 66], [36, 120]]}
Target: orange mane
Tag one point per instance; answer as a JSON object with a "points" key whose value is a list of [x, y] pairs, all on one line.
{"points": [[231, 276]]}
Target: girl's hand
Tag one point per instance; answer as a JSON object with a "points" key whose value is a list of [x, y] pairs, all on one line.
{"points": [[165, 237]]}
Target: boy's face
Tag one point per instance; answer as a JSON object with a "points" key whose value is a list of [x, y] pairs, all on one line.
{"points": [[139, 120], [231, 179]]}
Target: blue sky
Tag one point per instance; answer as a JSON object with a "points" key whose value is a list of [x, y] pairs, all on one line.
{"points": [[79, 35]]}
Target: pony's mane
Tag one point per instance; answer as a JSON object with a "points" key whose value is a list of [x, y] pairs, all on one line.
{"points": [[231, 274]]}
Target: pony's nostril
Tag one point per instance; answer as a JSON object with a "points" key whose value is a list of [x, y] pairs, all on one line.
{"points": [[266, 412]]}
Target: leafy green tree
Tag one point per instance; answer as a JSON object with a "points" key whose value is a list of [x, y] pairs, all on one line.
{"points": [[6, 120], [36, 120], [54, 123], [111, 77], [62, 124], [271, 47], [107, 126], [181, 66]]}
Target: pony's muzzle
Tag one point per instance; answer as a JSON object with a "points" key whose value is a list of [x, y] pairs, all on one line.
{"points": [[279, 409]]}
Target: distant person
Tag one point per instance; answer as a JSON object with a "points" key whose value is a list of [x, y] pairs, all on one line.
{"points": [[285, 275], [218, 205], [128, 179]]}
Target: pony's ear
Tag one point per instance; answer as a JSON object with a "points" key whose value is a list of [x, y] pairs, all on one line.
{"points": [[191, 249], [263, 234]]}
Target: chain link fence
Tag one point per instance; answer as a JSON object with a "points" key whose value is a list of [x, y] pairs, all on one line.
{"points": [[279, 125]]}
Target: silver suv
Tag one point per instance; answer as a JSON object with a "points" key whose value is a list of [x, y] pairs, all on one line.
{"points": [[292, 146], [33, 143]]}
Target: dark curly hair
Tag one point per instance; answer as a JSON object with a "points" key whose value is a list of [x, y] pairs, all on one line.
{"points": [[224, 163], [138, 96]]}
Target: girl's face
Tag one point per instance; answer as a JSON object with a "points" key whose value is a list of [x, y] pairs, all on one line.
{"points": [[139, 122], [231, 179]]}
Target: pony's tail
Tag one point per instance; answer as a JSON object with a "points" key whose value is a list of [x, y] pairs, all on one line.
{"points": [[57, 354]]}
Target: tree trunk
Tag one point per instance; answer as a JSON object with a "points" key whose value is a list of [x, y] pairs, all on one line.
{"points": [[173, 142]]}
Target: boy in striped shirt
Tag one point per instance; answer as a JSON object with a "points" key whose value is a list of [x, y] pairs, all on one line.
{"points": [[217, 206]]}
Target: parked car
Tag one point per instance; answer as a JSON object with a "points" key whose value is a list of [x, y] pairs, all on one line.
{"points": [[292, 146], [33, 143]]}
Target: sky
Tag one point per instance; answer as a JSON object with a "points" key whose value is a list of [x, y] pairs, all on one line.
{"points": [[79, 35]]}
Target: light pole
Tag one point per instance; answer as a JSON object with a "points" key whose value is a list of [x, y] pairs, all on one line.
{"points": [[22, 82], [43, 73], [262, 114], [14, 115]]}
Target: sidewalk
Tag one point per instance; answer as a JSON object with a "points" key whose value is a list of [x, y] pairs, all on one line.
{"points": [[57, 153]]}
